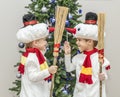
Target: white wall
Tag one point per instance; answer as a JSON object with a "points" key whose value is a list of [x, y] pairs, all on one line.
{"points": [[11, 20], [11, 12]]}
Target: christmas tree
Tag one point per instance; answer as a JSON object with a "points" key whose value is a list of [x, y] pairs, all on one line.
{"points": [[44, 10]]}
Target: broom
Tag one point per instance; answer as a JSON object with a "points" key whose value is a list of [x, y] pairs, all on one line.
{"points": [[101, 23], [61, 15]]}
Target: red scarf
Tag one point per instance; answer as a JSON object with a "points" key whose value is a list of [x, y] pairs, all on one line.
{"points": [[86, 71], [41, 59]]}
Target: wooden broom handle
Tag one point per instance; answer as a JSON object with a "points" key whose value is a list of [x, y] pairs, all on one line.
{"points": [[101, 22]]}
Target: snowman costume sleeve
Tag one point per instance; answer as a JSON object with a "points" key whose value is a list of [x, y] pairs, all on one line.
{"points": [[68, 64], [33, 69], [104, 70]]}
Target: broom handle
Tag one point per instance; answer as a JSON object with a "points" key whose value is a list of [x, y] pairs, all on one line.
{"points": [[53, 77], [101, 23], [100, 81]]}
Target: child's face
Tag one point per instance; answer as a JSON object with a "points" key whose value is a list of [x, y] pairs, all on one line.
{"points": [[82, 44], [41, 44]]}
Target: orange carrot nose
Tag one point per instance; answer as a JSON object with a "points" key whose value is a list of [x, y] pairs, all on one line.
{"points": [[71, 30], [51, 29]]}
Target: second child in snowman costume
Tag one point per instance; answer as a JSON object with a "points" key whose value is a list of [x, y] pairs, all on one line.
{"points": [[87, 63]]}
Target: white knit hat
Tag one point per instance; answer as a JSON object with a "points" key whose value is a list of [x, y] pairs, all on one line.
{"points": [[87, 31], [32, 32]]}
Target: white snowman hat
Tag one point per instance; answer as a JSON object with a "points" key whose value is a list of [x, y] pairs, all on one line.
{"points": [[87, 31], [33, 32]]}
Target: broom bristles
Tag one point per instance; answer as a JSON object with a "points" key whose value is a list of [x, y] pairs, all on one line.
{"points": [[61, 15], [101, 23]]}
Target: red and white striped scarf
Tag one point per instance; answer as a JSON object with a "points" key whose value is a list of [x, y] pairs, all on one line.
{"points": [[86, 71], [41, 59]]}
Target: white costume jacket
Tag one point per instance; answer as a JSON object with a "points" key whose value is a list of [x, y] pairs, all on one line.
{"points": [[84, 89], [32, 82]]}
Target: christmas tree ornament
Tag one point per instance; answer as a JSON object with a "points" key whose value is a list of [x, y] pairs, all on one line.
{"points": [[18, 75], [21, 45], [70, 16], [36, 7], [50, 36], [53, 20], [50, 18], [80, 11], [47, 48], [44, 9], [61, 47], [49, 5], [61, 60], [67, 23], [65, 92], [52, 1]]}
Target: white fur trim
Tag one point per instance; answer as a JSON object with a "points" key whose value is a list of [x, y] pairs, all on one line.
{"points": [[87, 31], [30, 33]]}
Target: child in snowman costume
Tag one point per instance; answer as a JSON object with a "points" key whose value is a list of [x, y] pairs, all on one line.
{"points": [[33, 67], [86, 64]]}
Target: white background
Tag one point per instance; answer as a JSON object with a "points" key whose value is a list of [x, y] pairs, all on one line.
{"points": [[11, 12]]}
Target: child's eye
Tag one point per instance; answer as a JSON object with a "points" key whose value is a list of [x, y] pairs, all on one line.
{"points": [[78, 39]]}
